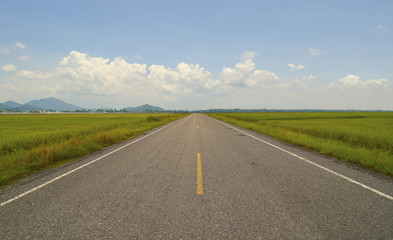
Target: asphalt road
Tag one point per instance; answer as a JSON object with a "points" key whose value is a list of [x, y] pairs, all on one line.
{"points": [[150, 188]]}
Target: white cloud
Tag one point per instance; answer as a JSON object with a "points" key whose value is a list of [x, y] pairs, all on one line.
{"points": [[80, 73], [248, 55], [293, 67], [190, 78], [105, 81], [138, 57], [314, 52], [25, 58], [262, 78], [20, 45], [9, 68], [237, 76], [353, 81], [244, 74], [184, 79], [306, 83], [94, 75], [350, 92], [381, 28], [309, 78], [33, 74], [348, 81]]}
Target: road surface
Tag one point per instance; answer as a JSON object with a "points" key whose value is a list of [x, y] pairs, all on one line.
{"points": [[199, 178]]}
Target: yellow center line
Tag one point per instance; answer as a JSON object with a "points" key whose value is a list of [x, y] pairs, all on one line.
{"points": [[199, 175]]}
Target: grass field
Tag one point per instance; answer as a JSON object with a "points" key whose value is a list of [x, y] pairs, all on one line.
{"points": [[360, 137], [29, 143]]}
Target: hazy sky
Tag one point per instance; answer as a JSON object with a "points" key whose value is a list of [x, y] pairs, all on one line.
{"points": [[199, 54]]}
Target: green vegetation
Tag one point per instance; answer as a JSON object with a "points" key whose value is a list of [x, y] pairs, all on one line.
{"points": [[29, 143], [360, 137]]}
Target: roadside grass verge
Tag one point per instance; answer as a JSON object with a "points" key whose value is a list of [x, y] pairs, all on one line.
{"points": [[360, 137], [31, 143]]}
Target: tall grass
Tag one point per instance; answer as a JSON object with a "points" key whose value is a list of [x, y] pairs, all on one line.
{"points": [[29, 143], [360, 137]]}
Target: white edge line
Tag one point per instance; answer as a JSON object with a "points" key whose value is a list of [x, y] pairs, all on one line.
{"points": [[84, 165], [313, 163]]}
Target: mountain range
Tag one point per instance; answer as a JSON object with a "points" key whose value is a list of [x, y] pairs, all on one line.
{"points": [[54, 104], [144, 108], [48, 104]]}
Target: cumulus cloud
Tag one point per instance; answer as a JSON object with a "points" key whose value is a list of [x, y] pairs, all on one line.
{"points": [[293, 67], [32, 74], [98, 75], [351, 92], [237, 75], [352, 81], [244, 74], [20, 45], [83, 74], [184, 79], [9, 68], [243, 84], [190, 78], [305, 83], [248, 55], [262, 78], [314, 52]]}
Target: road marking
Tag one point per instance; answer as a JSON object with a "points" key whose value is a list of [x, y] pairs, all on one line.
{"points": [[80, 167], [313, 163], [199, 175]]}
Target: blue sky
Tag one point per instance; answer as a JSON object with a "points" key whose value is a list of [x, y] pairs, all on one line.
{"points": [[199, 54]]}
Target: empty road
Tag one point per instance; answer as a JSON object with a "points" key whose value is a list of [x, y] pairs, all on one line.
{"points": [[199, 178]]}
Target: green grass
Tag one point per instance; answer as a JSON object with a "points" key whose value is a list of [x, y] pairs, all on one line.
{"points": [[359, 137], [30, 143]]}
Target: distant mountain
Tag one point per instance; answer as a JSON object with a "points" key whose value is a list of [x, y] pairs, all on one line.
{"points": [[12, 104], [26, 107], [2, 107], [18, 108], [144, 108], [53, 104]]}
